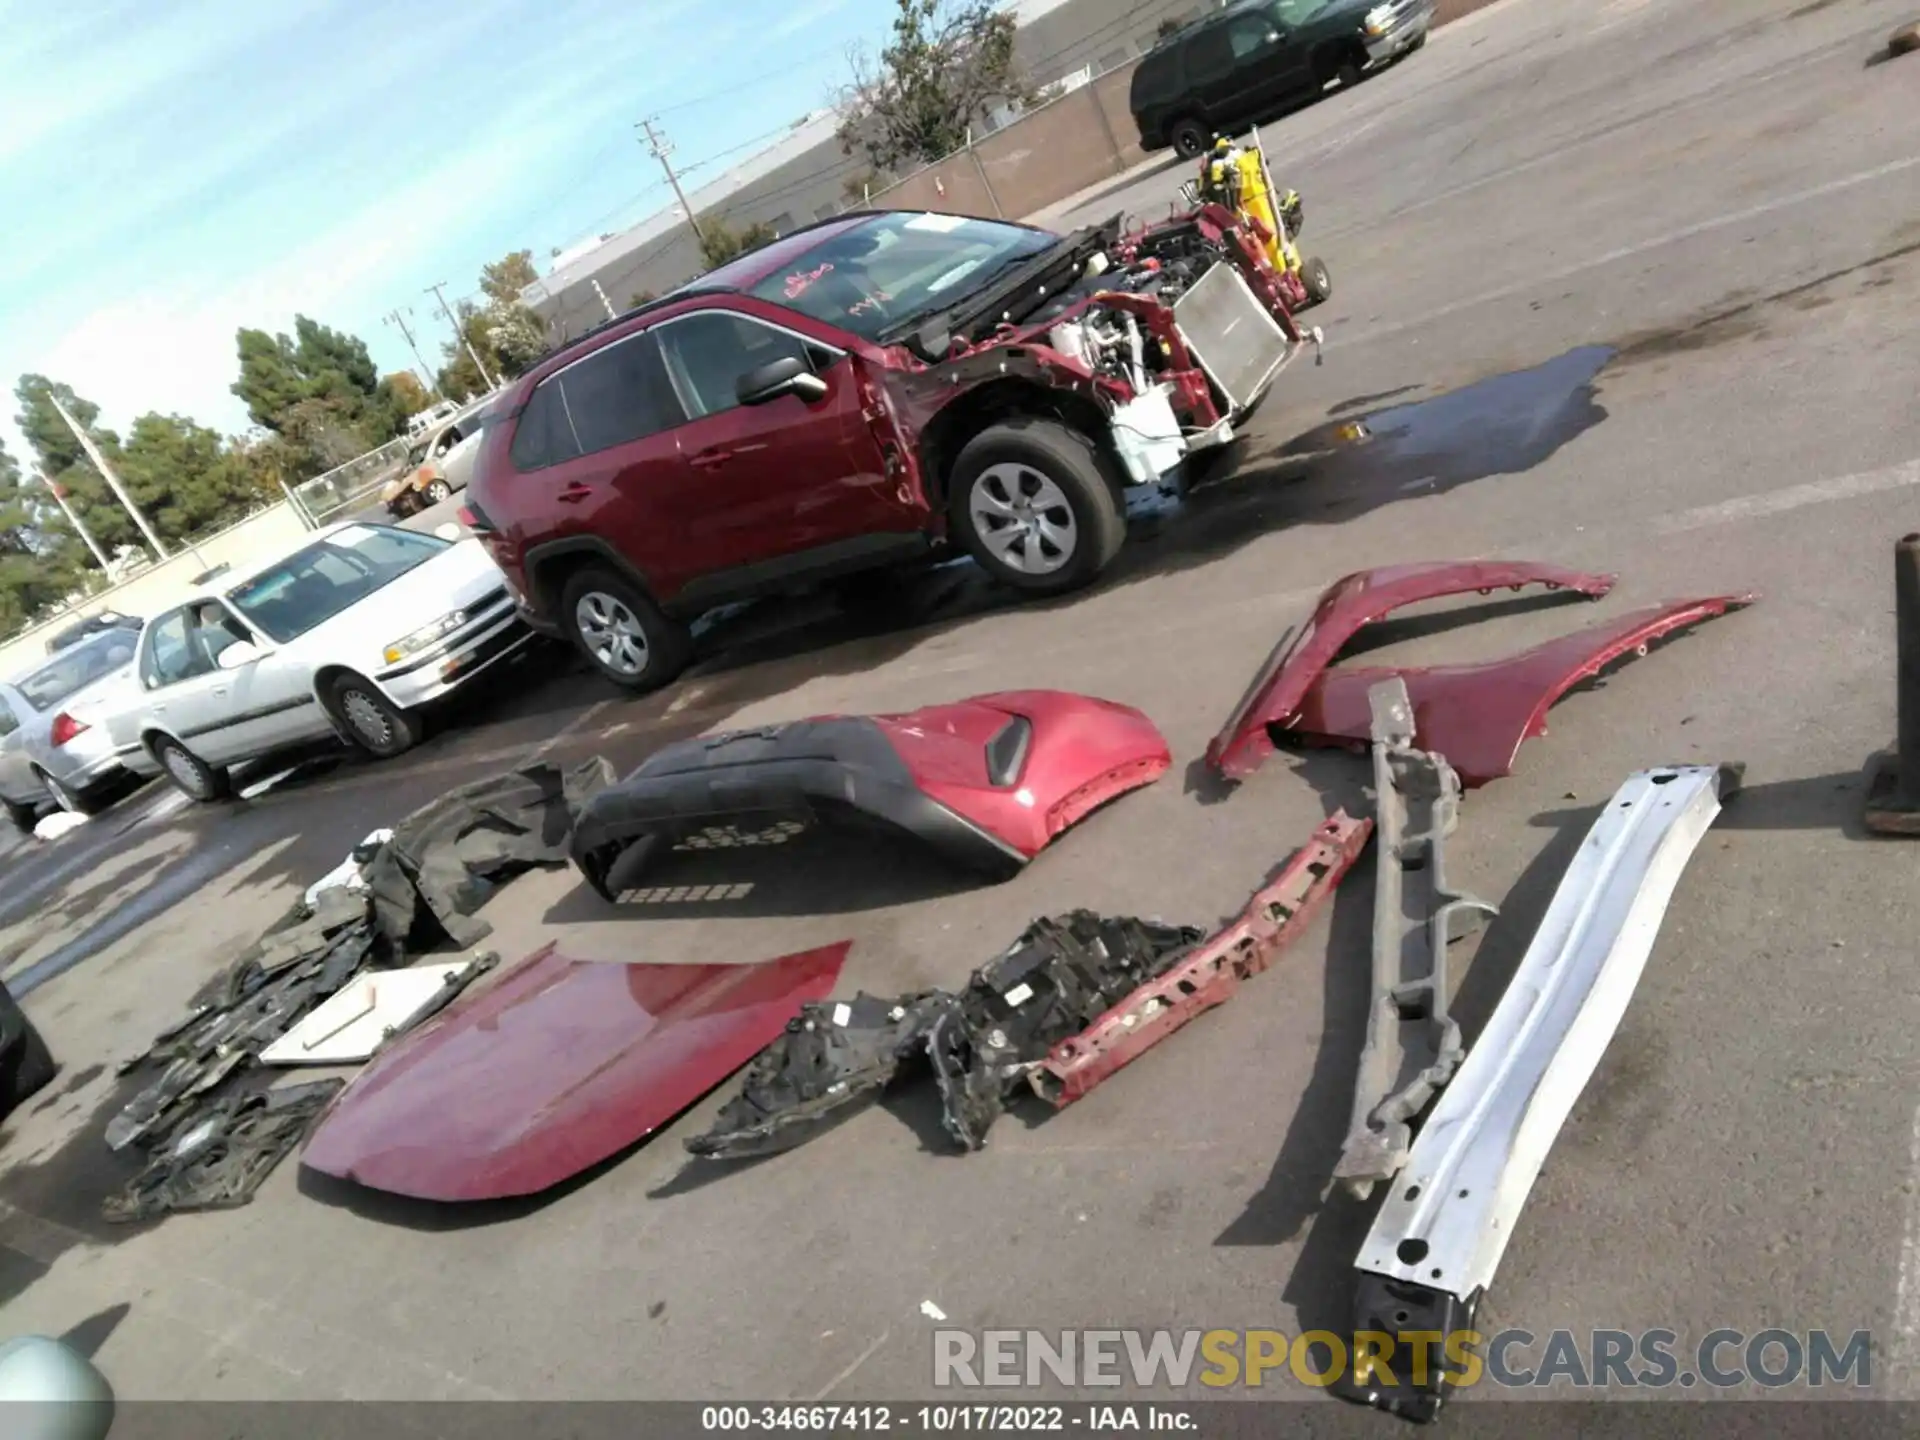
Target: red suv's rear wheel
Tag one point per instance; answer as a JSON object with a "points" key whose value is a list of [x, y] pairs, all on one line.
{"points": [[625, 635]]}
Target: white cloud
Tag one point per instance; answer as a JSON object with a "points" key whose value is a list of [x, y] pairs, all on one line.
{"points": [[172, 348], [76, 70]]}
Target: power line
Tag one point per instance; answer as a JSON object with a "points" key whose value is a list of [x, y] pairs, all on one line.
{"points": [[396, 317], [460, 334], [662, 148], [744, 85]]}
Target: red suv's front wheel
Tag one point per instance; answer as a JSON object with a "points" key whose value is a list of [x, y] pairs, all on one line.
{"points": [[1031, 501], [618, 628]]}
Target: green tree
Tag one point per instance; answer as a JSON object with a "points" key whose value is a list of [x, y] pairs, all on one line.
{"points": [[62, 460], [186, 478], [40, 562], [641, 297], [284, 376], [720, 243], [407, 391], [947, 65], [509, 336]]}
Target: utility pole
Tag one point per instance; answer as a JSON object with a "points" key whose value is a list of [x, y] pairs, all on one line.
{"points": [[113, 481], [398, 317], [60, 499], [612, 314], [461, 335], [662, 148]]}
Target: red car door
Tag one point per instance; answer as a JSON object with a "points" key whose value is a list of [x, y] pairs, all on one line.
{"points": [[790, 480]]}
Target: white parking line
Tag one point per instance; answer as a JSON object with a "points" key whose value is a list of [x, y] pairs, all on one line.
{"points": [[1628, 252], [1906, 1306], [1794, 497]]}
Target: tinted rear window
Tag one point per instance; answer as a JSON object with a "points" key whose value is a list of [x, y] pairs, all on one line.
{"points": [[544, 435], [1158, 78]]}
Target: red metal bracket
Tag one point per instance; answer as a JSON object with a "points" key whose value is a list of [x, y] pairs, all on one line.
{"points": [[1272, 920]]}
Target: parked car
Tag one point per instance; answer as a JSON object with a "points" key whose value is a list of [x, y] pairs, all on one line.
{"points": [[55, 747], [426, 419], [350, 635], [436, 466], [26, 1065], [866, 391], [1252, 60], [93, 625]]}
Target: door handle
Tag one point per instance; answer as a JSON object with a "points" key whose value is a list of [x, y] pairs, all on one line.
{"points": [[713, 459], [220, 690], [574, 493]]}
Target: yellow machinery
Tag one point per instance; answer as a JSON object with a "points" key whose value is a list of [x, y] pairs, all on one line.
{"points": [[1236, 176]]}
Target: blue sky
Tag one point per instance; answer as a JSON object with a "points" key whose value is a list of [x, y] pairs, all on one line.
{"points": [[173, 169]]}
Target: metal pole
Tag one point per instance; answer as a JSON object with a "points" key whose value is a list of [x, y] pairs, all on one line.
{"points": [[113, 480], [1906, 619], [1893, 788], [293, 503], [461, 335], [662, 148], [394, 317], [75, 521]]}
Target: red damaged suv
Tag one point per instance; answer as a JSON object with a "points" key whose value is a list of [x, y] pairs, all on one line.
{"points": [[868, 391]]}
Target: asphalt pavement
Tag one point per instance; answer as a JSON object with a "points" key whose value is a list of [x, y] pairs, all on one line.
{"points": [[1627, 286]]}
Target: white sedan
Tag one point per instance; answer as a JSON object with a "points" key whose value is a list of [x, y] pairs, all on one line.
{"points": [[350, 635]]}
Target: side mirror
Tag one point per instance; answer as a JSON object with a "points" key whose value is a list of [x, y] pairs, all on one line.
{"points": [[241, 652], [787, 376]]}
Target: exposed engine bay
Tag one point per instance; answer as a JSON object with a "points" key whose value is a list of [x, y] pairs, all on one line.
{"points": [[1176, 331]]}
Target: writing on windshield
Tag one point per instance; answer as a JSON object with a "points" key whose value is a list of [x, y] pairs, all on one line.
{"points": [[875, 275]]}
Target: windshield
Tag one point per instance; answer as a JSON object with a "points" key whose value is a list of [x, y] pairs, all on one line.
{"points": [[871, 278], [79, 666], [313, 585], [1298, 12]]}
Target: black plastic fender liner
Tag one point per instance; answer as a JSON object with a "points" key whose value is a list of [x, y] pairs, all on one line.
{"points": [[807, 768]]}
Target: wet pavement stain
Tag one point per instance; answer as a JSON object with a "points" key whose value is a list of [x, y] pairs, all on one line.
{"points": [[1503, 425]]}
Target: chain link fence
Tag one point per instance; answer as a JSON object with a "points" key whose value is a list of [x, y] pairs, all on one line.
{"points": [[327, 497]]}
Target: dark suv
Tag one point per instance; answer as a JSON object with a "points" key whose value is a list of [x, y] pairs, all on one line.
{"points": [[859, 394], [1252, 60]]}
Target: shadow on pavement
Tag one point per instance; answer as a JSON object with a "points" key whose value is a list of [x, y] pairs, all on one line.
{"points": [[1817, 802], [91, 1333]]}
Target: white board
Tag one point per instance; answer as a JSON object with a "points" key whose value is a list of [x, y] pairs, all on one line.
{"points": [[349, 1026]]}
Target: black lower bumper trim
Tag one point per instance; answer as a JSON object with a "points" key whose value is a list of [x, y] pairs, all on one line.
{"points": [[836, 769]]}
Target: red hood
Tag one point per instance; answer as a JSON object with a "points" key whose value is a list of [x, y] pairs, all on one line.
{"points": [[559, 1065]]}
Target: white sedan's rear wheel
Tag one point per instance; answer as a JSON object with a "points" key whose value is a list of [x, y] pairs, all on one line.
{"points": [[191, 775]]}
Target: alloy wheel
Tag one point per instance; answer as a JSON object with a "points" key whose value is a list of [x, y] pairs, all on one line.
{"points": [[1023, 518], [611, 632]]}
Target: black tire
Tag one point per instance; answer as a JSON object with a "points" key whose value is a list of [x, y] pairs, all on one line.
{"points": [[367, 719], [190, 775], [1348, 73], [438, 493], [27, 1071], [623, 634], [1318, 280], [74, 802], [1189, 137], [21, 817], [1419, 43], [1019, 455]]}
